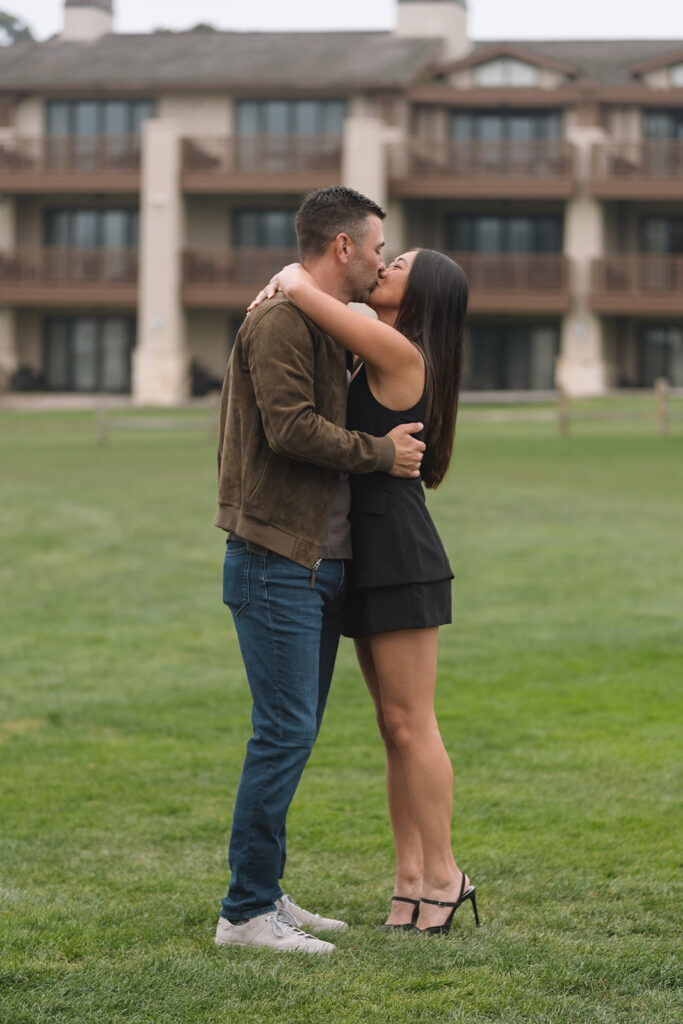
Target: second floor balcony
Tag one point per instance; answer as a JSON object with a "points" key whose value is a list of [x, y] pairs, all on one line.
{"points": [[499, 282], [261, 163], [507, 168], [638, 170], [55, 277], [229, 278], [638, 285], [89, 163], [509, 282]]}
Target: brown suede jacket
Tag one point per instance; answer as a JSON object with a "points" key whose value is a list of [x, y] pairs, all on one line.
{"points": [[282, 441]]}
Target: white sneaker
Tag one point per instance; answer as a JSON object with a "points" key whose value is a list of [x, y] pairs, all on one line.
{"points": [[274, 930], [304, 918]]}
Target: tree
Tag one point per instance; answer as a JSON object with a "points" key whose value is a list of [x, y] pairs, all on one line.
{"points": [[12, 30]]}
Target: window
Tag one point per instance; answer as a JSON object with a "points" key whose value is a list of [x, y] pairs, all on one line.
{"points": [[506, 233], [92, 228], [501, 357], [660, 354], [88, 353], [271, 229], [663, 124], [97, 117], [494, 125], [661, 235], [287, 117], [505, 71], [676, 74]]}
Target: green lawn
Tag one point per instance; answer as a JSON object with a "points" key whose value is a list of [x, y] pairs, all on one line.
{"points": [[124, 715]]}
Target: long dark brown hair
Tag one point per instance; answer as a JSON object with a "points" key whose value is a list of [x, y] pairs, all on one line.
{"points": [[432, 315]]}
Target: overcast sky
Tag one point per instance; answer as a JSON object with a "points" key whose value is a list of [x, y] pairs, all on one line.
{"points": [[489, 19]]}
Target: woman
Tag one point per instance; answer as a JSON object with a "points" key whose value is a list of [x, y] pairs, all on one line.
{"points": [[408, 369]]}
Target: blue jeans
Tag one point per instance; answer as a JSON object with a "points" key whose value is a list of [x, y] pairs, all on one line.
{"points": [[288, 635]]}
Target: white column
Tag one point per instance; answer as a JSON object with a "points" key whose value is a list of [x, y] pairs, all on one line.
{"points": [[9, 354], [364, 157], [582, 367], [160, 359], [365, 167]]}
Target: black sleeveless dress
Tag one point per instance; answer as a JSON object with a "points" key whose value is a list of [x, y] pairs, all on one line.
{"points": [[399, 577]]}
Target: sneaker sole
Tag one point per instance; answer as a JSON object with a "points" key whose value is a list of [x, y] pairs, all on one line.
{"points": [[277, 949]]}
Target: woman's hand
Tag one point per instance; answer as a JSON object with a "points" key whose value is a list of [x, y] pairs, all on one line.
{"points": [[285, 279]]}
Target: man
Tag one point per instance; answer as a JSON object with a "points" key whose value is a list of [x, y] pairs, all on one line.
{"points": [[283, 497]]}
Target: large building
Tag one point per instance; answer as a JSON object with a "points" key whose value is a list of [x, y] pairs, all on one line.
{"points": [[148, 185]]}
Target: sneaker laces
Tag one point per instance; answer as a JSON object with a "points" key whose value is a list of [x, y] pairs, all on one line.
{"points": [[289, 902], [285, 923]]}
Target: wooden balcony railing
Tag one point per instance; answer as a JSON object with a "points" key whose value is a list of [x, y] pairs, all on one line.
{"points": [[69, 276], [252, 161], [473, 167], [227, 278], [638, 284], [652, 169], [58, 163], [516, 282]]}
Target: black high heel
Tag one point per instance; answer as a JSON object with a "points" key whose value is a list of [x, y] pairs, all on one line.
{"points": [[403, 927], [443, 929]]}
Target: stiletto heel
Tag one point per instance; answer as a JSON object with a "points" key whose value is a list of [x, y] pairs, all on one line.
{"points": [[443, 929], [403, 927], [473, 898]]}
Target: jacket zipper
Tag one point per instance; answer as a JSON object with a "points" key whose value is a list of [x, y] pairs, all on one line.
{"points": [[314, 571]]}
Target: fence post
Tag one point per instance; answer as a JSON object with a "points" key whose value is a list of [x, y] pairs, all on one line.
{"points": [[101, 425], [662, 396], [563, 411]]}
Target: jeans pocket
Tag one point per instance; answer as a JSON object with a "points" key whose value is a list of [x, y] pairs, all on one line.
{"points": [[236, 576]]}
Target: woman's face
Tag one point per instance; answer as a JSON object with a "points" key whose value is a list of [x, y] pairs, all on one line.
{"points": [[388, 292]]}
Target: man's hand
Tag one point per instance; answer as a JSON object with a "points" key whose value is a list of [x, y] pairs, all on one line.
{"points": [[408, 450]]}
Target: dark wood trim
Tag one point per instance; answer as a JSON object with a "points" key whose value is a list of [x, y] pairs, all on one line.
{"points": [[44, 164], [640, 285], [60, 278], [450, 168], [69, 296], [648, 170], [487, 54], [656, 63], [498, 187], [510, 97], [257, 184]]}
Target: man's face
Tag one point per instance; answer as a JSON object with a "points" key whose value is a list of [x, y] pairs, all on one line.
{"points": [[363, 269]]}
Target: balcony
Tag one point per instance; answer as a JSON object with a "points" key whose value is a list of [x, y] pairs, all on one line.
{"points": [[638, 170], [638, 285], [69, 277], [506, 168], [535, 283], [261, 163], [229, 278], [70, 164]]}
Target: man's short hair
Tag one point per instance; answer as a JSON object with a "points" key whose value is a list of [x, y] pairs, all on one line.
{"points": [[327, 212]]}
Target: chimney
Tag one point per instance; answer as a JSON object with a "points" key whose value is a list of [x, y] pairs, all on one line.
{"points": [[436, 19], [87, 20]]}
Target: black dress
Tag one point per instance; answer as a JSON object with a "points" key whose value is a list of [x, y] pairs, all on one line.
{"points": [[399, 577]]}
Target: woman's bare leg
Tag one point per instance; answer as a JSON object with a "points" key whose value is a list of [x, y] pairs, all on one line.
{"points": [[407, 841], [404, 664]]}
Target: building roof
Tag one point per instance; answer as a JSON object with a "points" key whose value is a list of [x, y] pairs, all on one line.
{"points": [[607, 61], [205, 58], [342, 61]]}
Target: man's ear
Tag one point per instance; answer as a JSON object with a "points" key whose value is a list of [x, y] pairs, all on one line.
{"points": [[342, 247]]}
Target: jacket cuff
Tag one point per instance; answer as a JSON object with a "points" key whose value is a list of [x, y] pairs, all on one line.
{"points": [[386, 454]]}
